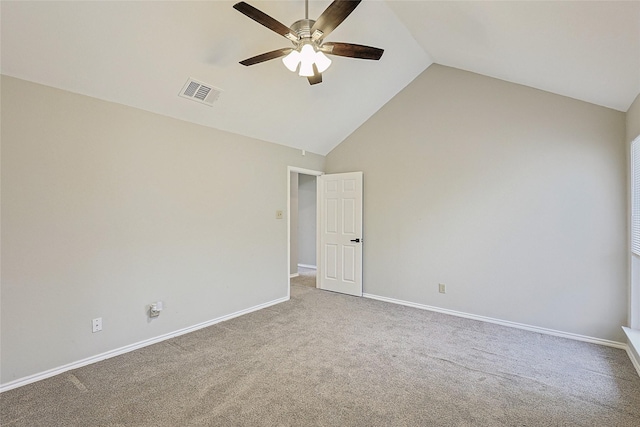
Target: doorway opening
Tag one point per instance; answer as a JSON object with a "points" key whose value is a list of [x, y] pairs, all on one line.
{"points": [[302, 218]]}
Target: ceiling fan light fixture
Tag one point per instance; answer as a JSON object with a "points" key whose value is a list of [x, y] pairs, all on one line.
{"points": [[308, 54], [322, 61], [292, 60], [306, 69], [307, 59]]}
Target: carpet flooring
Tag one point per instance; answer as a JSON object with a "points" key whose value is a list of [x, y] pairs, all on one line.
{"points": [[306, 277], [325, 359]]}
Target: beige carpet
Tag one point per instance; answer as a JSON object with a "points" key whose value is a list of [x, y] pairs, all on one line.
{"points": [[325, 359], [306, 277]]}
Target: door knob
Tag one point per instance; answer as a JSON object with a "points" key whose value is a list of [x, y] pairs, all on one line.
{"points": [[355, 240]]}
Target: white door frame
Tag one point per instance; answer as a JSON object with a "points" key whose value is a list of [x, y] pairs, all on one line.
{"points": [[306, 172]]}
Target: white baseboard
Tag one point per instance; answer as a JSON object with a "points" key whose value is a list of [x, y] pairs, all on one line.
{"points": [[633, 350], [128, 348], [291, 276], [309, 266], [531, 328]]}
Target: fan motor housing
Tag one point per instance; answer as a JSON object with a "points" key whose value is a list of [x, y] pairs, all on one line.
{"points": [[302, 28]]}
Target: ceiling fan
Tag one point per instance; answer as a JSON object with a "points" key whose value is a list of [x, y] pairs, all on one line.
{"points": [[308, 37]]}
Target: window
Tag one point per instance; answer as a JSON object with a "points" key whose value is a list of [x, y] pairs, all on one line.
{"points": [[634, 306], [635, 196]]}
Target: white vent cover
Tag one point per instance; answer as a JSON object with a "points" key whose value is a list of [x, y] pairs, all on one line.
{"points": [[200, 92]]}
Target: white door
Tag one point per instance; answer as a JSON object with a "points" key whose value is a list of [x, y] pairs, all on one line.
{"points": [[340, 233]]}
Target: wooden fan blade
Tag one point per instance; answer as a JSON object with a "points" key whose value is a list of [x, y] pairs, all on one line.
{"points": [[316, 78], [334, 15], [266, 56], [352, 50], [262, 18]]}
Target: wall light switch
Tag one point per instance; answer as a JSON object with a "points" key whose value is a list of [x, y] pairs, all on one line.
{"points": [[279, 215]]}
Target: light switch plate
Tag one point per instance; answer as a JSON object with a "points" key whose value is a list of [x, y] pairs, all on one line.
{"points": [[96, 324]]}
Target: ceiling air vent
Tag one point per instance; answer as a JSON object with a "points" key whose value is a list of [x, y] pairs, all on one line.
{"points": [[200, 92]]}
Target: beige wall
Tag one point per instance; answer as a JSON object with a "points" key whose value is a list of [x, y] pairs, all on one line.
{"points": [[633, 120], [513, 197], [307, 207], [293, 223], [106, 209]]}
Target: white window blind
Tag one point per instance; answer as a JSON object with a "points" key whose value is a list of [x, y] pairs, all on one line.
{"points": [[635, 196]]}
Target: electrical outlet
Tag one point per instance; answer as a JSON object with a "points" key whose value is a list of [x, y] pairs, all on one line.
{"points": [[97, 324], [279, 214], [442, 288]]}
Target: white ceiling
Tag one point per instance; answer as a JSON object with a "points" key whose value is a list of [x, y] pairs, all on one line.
{"points": [[584, 50], [141, 53]]}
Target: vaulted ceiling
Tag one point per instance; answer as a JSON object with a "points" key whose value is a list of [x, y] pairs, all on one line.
{"points": [[141, 54]]}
